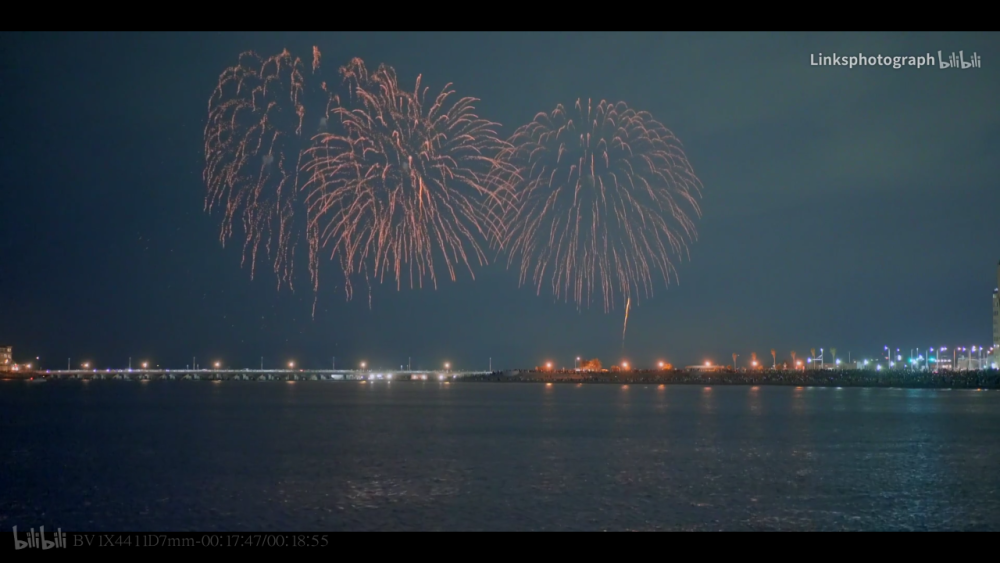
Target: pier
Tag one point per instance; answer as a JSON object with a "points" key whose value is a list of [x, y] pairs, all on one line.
{"points": [[243, 375]]}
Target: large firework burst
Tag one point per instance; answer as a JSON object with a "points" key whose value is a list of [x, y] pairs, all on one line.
{"points": [[401, 182], [605, 200], [258, 126]]}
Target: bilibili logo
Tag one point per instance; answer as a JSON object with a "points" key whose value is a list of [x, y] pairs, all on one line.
{"points": [[38, 539], [958, 61]]}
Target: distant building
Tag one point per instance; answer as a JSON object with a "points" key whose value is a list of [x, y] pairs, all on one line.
{"points": [[706, 367], [6, 358], [996, 320]]}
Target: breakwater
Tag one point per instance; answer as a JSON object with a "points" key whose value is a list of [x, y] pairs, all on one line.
{"points": [[985, 379]]}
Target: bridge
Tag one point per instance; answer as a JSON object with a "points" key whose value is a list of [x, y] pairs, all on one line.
{"points": [[249, 375]]}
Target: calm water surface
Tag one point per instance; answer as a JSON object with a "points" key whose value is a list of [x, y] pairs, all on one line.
{"points": [[268, 456]]}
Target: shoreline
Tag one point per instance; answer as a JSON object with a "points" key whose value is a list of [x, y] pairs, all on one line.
{"points": [[977, 380]]}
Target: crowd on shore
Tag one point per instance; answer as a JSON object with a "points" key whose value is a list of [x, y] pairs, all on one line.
{"points": [[984, 379]]}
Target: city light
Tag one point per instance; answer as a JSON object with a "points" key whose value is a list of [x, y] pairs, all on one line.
{"points": [[625, 365], [661, 365], [362, 365], [217, 364], [548, 365], [447, 365], [291, 364], [145, 365], [708, 364]]}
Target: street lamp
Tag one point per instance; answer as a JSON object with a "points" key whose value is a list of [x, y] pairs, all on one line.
{"points": [[625, 365], [661, 365], [577, 362], [86, 365], [145, 365], [548, 365], [362, 365], [217, 364], [447, 365], [291, 365]]}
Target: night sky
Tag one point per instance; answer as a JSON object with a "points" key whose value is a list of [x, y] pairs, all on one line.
{"points": [[843, 208]]}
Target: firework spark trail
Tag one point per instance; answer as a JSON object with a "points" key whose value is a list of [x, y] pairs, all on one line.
{"points": [[400, 179], [628, 303], [605, 197], [254, 140]]}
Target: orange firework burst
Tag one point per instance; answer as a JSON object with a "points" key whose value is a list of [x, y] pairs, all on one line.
{"points": [[605, 198], [257, 130], [400, 182]]}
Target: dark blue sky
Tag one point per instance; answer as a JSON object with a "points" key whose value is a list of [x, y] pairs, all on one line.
{"points": [[846, 208]]}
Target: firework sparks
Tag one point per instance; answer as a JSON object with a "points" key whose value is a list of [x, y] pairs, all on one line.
{"points": [[605, 199], [628, 304], [253, 145], [399, 182]]}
